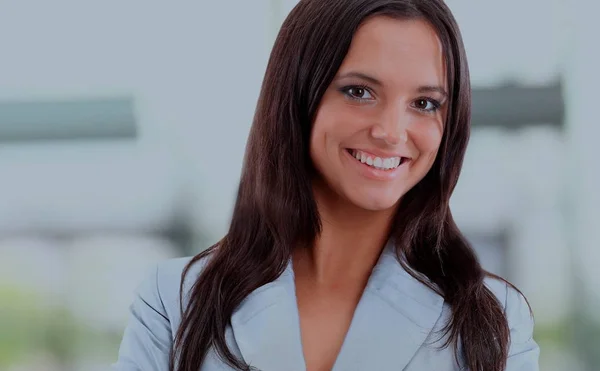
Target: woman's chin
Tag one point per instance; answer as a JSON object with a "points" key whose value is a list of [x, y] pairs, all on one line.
{"points": [[375, 202]]}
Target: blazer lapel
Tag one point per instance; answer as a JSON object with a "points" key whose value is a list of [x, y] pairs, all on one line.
{"points": [[266, 327], [392, 320]]}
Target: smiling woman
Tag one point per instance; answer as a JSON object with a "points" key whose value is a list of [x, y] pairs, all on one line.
{"points": [[342, 253], [393, 118]]}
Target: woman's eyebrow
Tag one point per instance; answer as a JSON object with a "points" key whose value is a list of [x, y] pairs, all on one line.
{"points": [[433, 89], [361, 75]]}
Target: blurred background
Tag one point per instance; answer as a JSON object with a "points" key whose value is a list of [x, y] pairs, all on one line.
{"points": [[122, 132]]}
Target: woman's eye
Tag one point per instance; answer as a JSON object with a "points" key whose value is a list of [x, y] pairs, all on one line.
{"points": [[359, 93], [426, 105]]}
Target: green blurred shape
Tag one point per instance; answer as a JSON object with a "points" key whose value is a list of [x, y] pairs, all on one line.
{"points": [[22, 324], [29, 326], [559, 333]]}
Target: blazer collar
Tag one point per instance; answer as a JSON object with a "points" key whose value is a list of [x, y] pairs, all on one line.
{"points": [[393, 318]]}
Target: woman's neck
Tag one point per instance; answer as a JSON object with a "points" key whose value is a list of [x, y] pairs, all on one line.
{"points": [[349, 245]]}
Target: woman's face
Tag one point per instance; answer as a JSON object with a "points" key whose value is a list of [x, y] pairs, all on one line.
{"points": [[380, 122]]}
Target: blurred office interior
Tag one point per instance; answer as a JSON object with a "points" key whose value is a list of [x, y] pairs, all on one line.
{"points": [[122, 131]]}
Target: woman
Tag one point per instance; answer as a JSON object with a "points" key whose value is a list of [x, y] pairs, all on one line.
{"points": [[342, 253]]}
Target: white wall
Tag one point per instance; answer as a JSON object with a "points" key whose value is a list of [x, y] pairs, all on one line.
{"points": [[195, 70], [582, 77]]}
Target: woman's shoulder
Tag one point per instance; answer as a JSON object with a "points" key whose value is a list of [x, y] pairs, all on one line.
{"points": [[155, 315], [162, 289], [518, 314], [170, 272], [512, 300]]}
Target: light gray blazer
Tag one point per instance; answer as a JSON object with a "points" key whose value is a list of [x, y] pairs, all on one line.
{"points": [[393, 327]]}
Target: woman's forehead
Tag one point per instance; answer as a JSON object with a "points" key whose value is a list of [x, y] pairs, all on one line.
{"points": [[403, 51]]}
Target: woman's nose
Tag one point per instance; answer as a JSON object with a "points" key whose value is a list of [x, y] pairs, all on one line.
{"points": [[392, 127]]}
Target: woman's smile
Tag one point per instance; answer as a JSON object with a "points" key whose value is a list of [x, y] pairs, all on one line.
{"points": [[375, 167]]}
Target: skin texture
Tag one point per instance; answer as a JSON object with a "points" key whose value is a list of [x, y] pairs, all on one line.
{"points": [[388, 98]]}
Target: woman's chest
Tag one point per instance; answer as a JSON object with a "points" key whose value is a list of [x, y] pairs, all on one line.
{"points": [[323, 327], [269, 338], [426, 358], [395, 326]]}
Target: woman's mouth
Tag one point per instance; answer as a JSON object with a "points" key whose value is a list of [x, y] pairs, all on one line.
{"points": [[379, 163]]}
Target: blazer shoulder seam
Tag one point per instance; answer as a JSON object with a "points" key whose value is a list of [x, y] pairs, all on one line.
{"points": [[160, 300]]}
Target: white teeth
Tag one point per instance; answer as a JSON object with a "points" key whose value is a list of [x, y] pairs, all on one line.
{"points": [[377, 162]]}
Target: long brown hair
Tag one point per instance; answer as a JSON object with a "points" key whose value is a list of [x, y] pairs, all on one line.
{"points": [[275, 210]]}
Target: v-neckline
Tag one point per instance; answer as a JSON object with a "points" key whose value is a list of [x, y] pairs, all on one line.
{"points": [[314, 328], [394, 316]]}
